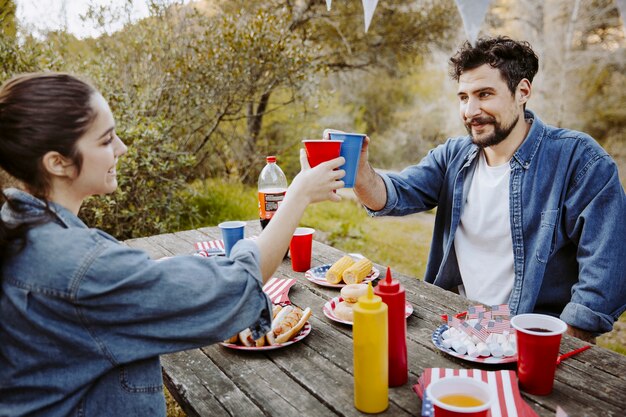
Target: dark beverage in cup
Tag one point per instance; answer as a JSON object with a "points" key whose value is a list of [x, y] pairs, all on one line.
{"points": [[538, 329]]}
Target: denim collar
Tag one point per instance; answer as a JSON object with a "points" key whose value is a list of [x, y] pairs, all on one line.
{"points": [[527, 150], [32, 208]]}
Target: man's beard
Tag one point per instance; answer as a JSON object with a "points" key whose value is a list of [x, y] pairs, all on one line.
{"points": [[499, 132]]}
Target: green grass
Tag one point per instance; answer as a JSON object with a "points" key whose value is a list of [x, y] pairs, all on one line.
{"points": [[399, 242], [219, 201]]}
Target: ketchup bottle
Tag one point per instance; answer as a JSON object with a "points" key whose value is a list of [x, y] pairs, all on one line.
{"points": [[393, 294], [369, 336]]}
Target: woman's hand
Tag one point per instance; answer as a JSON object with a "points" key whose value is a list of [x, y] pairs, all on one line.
{"points": [[317, 184]]}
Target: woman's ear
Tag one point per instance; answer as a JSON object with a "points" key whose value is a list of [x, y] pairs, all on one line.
{"points": [[58, 165]]}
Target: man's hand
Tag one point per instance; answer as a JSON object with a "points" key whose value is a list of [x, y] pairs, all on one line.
{"points": [[581, 334]]}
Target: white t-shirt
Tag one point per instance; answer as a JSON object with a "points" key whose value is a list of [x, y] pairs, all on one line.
{"points": [[483, 243]]}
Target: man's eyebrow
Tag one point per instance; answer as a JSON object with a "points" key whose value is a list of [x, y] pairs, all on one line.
{"points": [[478, 90], [109, 130]]}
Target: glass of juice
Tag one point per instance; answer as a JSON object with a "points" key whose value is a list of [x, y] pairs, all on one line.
{"points": [[457, 396]]}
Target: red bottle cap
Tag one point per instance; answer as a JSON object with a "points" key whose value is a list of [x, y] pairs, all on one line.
{"points": [[270, 159], [388, 285]]}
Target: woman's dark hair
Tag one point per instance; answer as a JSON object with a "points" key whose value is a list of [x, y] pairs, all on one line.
{"points": [[515, 60], [39, 113]]}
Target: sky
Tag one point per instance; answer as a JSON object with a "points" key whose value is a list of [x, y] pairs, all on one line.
{"points": [[57, 14]]}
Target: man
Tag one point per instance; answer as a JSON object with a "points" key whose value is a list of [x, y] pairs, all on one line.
{"points": [[527, 214]]}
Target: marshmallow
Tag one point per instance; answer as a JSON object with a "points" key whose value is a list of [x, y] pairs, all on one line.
{"points": [[507, 349], [495, 349], [482, 349], [459, 347]]}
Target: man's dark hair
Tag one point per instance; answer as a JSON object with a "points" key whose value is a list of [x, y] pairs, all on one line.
{"points": [[515, 60]]}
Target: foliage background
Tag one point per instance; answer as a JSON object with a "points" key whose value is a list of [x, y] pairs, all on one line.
{"points": [[203, 91]]}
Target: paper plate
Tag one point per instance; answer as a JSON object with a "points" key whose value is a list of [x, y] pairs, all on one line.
{"points": [[437, 340], [304, 332], [329, 310]]}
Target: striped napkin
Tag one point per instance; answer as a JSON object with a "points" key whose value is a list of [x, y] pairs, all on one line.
{"points": [[210, 248], [507, 401], [213, 247], [278, 290]]}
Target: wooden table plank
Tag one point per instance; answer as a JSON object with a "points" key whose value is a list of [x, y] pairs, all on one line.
{"points": [[314, 376]]}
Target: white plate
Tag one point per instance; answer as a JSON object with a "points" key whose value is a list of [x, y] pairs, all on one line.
{"points": [[329, 310], [481, 359], [318, 276], [304, 332]]}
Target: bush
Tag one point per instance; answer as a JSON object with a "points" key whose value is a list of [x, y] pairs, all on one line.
{"points": [[215, 201], [152, 192]]}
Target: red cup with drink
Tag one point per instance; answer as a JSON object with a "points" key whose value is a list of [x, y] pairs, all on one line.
{"points": [[538, 341]]}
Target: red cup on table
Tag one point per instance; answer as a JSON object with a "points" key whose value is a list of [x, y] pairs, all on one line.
{"points": [[458, 396], [538, 341], [300, 249]]}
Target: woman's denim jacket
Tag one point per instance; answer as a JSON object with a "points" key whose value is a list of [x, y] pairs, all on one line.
{"points": [[568, 222], [84, 318]]}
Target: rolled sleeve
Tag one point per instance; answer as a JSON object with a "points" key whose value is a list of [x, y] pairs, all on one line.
{"points": [[584, 318], [136, 307], [392, 198]]}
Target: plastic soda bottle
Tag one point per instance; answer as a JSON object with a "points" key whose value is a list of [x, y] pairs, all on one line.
{"points": [[272, 188], [393, 294], [369, 337]]}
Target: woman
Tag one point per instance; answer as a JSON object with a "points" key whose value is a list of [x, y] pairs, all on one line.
{"points": [[83, 318]]}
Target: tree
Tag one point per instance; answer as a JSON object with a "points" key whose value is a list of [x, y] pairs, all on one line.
{"points": [[216, 73]]}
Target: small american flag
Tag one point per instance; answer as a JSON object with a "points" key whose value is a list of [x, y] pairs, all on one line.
{"points": [[456, 323], [498, 326], [507, 401], [500, 310], [475, 312], [480, 332]]}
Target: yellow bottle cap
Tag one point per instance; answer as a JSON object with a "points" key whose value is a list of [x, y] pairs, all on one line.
{"points": [[370, 301]]}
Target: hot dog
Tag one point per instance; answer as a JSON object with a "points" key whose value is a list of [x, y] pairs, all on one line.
{"points": [[287, 325], [287, 322]]}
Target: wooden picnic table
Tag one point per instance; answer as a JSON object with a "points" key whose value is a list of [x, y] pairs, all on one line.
{"points": [[313, 377]]}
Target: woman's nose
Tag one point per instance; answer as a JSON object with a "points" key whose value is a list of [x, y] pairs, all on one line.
{"points": [[121, 147]]}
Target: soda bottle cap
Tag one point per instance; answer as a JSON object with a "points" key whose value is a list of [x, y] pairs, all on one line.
{"points": [[270, 159], [388, 285], [370, 301]]}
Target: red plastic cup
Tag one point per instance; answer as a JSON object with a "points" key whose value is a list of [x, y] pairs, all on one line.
{"points": [[318, 151], [455, 386], [538, 342], [300, 249]]}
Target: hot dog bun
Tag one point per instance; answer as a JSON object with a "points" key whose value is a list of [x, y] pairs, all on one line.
{"points": [[288, 334], [278, 319], [245, 338], [351, 292]]}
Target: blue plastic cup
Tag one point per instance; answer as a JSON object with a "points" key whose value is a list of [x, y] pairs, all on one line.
{"points": [[232, 232], [351, 150]]}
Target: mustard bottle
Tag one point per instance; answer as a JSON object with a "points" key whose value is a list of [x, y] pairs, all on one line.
{"points": [[369, 337]]}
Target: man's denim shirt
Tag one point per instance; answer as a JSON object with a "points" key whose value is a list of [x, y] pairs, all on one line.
{"points": [[568, 222], [83, 318]]}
